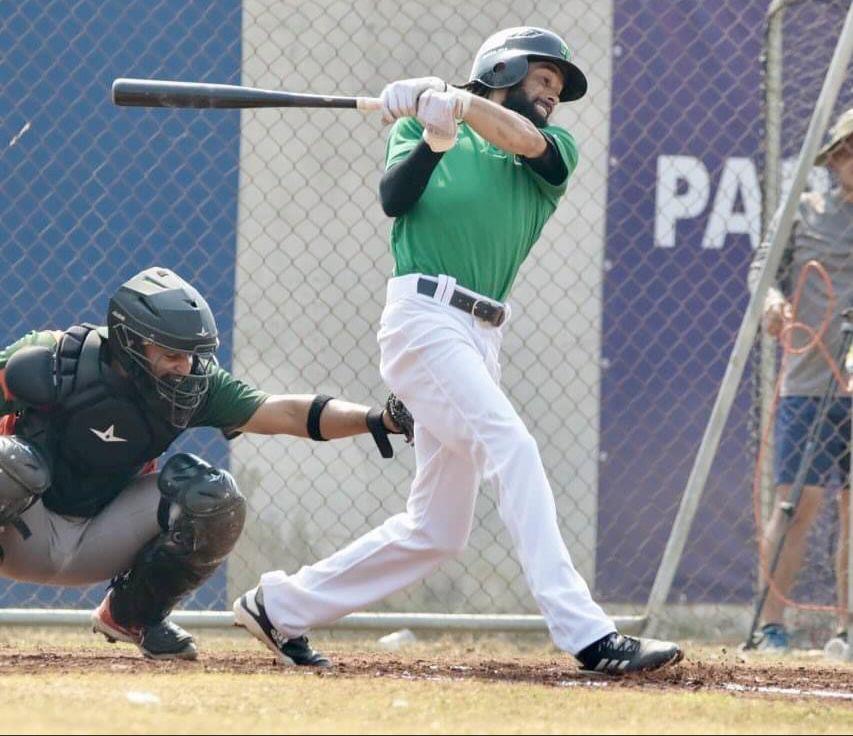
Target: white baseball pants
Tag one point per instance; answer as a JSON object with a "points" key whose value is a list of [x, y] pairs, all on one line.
{"points": [[443, 364]]}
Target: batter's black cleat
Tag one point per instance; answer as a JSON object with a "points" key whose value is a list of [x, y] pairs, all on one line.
{"points": [[616, 654], [249, 612], [163, 640]]}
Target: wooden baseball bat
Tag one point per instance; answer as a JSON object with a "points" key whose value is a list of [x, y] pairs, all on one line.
{"points": [[164, 93]]}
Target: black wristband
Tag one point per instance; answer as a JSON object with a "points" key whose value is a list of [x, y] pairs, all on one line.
{"points": [[313, 423], [380, 434]]}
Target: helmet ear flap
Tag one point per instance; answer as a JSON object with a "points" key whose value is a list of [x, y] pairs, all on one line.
{"points": [[506, 72]]}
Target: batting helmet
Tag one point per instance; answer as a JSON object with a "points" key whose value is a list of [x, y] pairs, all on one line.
{"points": [[157, 306], [502, 60]]}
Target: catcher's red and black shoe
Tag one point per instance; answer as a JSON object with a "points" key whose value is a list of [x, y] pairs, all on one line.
{"points": [[249, 612], [163, 640], [616, 654]]}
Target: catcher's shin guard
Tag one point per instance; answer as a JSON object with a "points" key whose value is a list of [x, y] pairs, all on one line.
{"points": [[202, 513]]}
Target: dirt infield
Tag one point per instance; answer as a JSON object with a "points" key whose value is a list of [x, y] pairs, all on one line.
{"points": [[774, 679], [442, 684]]}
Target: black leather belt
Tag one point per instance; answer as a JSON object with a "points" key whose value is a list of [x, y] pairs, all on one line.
{"points": [[488, 311]]}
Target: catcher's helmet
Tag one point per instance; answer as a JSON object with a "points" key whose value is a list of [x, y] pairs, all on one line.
{"points": [[157, 306], [502, 60]]}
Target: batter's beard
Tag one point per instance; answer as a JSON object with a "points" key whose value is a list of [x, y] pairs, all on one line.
{"points": [[519, 102]]}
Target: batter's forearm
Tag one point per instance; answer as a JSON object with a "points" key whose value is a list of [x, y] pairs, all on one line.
{"points": [[505, 128]]}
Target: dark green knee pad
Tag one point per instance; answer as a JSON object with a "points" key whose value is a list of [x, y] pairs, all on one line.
{"points": [[202, 513]]}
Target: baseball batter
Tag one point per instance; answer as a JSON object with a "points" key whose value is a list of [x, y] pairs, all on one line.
{"points": [[472, 176], [86, 412]]}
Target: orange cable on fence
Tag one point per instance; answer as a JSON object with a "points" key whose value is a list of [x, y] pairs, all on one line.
{"points": [[814, 341]]}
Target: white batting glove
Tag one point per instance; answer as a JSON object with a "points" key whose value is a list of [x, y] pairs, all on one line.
{"points": [[436, 112], [458, 99], [400, 99]]}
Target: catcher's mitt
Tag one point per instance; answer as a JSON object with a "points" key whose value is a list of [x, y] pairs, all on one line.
{"points": [[402, 417]]}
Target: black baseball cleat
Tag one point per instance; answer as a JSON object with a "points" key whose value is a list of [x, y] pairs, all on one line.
{"points": [[249, 612], [163, 640], [616, 654]]}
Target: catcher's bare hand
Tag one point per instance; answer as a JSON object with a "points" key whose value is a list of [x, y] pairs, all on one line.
{"points": [[398, 419]]}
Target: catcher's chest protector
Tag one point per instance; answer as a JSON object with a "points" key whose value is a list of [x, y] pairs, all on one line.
{"points": [[98, 435]]}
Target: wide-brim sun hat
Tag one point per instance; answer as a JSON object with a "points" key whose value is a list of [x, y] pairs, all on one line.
{"points": [[842, 129]]}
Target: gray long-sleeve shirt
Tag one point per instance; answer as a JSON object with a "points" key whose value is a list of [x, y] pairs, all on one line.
{"points": [[823, 231]]}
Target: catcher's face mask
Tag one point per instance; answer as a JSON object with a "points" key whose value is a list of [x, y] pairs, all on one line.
{"points": [[180, 379]]}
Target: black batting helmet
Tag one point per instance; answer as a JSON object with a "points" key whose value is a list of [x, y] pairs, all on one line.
{"points": [[157, 306], [502, 60]]}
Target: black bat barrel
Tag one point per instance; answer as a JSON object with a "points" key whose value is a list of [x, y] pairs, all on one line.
{"points": [[162, 93]]}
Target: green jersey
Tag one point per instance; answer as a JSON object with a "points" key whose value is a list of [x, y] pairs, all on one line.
{"points": [[228, 404], [481, 212]]}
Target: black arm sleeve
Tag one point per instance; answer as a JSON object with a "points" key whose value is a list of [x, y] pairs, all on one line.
{"points": [[404, 183], [550, 165]]}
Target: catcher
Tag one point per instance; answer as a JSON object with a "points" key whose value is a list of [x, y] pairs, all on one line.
{"points": [[86, 413]]}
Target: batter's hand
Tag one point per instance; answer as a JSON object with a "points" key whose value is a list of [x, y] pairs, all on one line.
{"points": [[775, 317], [400, 99], [437, 113]]}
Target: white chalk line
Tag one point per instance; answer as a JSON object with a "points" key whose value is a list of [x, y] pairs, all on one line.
{"points": [[736, 688], [792, 691]]}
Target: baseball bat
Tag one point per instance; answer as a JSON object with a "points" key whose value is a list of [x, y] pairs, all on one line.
{"points": [[164, 93]]}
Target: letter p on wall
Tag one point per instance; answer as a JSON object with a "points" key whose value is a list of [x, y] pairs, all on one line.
{"points": [[682, 192]]}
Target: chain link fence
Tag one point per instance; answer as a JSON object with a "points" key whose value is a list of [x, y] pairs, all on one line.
{"points": [[799, 42], [623, 316], [806, 36]]}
